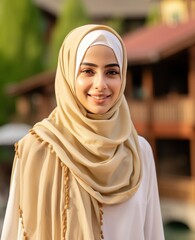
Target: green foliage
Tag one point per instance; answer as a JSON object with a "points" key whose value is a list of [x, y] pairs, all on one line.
{"points": [[154, 16], [117, 24], [21, 46], [73, 15]]}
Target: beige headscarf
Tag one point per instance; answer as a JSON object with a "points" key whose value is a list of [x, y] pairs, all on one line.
{"points": [[78, 161]]}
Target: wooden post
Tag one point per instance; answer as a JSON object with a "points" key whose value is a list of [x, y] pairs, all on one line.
{"points": [[191, 85], [147, 83], [191, 75]]}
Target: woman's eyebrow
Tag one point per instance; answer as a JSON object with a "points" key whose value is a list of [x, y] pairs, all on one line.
{"points": [[89, 64], [95, 65], [112, 65]]}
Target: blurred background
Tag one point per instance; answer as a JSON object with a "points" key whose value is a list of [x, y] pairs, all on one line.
{"points": [[159, 36]]}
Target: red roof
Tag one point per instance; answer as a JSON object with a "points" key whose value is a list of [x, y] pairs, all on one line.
{"points": [[150, 44]]}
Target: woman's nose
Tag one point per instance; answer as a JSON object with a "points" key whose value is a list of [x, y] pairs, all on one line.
{"points": [[100, 82]]}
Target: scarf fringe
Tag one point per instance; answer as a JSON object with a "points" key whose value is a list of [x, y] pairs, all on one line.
{"points": [[101, 220], [22, 223], [16, 150], [65, 171], [67, 199]]}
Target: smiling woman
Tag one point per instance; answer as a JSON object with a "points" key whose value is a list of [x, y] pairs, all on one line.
{"points": [[98, 82], [83, 172]]}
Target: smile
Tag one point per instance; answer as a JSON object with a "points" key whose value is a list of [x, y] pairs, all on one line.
{"points": [[99, 97]]}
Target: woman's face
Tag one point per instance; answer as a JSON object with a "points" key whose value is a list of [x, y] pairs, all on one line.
{"points": [[98, 82]]}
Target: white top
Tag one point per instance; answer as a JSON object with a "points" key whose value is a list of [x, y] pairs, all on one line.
{"points": [[139, 218]]}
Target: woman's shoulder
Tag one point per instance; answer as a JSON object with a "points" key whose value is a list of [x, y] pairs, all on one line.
{"points": [[148, 162], [144, 144], [146, 152], [30, 143]]}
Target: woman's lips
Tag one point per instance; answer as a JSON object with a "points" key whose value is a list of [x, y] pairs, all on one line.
{"points": [[99, 98]]}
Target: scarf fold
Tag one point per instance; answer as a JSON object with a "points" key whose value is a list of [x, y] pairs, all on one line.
{"points": [[101, 153]]}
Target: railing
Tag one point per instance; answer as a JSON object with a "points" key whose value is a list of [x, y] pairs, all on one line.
{"points": [[174, 111], [164, 115]]}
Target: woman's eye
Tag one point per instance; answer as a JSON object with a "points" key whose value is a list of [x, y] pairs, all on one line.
{"points": [[87, 71], [113, 72]]}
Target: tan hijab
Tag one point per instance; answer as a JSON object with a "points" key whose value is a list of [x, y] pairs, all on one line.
{"points": [[78, 161]]}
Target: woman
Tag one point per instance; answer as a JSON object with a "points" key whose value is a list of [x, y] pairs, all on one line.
{"points": [[83, 173]]}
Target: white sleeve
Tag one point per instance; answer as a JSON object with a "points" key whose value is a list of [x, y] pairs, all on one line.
{"points": [[153, 222], [12, 226]]}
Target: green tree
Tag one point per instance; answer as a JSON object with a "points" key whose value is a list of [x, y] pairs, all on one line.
{"points": [[117, 23], [154, 16], [73, 14], [21, 46]]}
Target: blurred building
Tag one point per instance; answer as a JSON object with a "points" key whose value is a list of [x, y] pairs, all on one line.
{"points": [[100, 9], [161, 96], [133, 12], [176, 11], [35, 97]]}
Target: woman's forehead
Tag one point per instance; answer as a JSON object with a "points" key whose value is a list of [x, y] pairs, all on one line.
{"points": [[101, 53], [99, 37]]}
